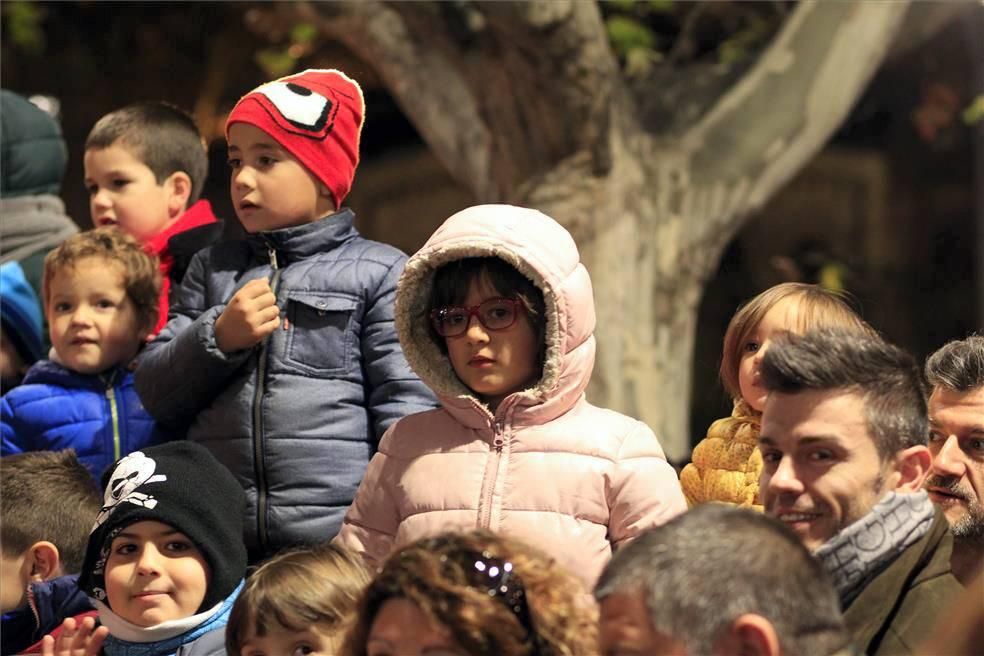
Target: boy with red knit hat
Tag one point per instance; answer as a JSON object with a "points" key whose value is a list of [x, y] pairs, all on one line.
{"points": [[280, 355]]}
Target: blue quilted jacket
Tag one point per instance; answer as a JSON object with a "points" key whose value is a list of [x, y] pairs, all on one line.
{"points": [[100, 416], [297, 417], [48, 604]]}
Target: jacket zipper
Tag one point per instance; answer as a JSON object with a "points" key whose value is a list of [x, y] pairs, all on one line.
{"points": [[258, 467], [115, 413], [485, 517], [33, 604]]}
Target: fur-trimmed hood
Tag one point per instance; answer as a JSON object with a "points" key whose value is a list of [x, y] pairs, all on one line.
{"points": [[543, 251]]}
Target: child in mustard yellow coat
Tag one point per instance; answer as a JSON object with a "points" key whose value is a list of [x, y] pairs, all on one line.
{"points": [[726, 464]]}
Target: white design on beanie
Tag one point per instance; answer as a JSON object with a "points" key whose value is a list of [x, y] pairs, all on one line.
{"points": [[130, 473], [301, 106]]}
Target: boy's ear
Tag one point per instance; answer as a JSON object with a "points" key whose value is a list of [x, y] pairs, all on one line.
{"points": [[178, 186], [43, 561]]}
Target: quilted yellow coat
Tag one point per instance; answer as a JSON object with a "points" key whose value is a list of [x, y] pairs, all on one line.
{"points": [[726, 464]]}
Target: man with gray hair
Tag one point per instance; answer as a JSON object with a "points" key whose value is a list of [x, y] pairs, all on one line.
{"points": [[718, 580], [956, 440], [843, 444]]}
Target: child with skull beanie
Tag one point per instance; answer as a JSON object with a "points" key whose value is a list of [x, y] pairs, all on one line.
{"points": [[182, 486], [295, 407]]}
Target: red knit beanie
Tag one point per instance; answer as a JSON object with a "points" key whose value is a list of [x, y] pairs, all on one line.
{"points": [[317, 116]]}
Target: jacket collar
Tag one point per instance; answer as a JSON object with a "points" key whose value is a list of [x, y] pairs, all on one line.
{"points": [[49, 372], [195, 216], [306, 240], [55, 599]]}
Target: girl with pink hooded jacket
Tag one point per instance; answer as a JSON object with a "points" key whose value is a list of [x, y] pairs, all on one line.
{"points": [[496, 315]]}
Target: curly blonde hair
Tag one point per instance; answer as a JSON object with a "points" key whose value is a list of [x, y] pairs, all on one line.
{"points": [[818, 308], [437, 575], [296, 589], [141, 275]]}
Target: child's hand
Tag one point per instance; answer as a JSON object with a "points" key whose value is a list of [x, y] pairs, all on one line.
{"points": [[251, 315], [82, 640]]}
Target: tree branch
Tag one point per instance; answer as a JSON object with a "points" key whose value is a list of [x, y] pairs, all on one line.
{"points": [[806, 83], [420, 70], [513, 89]]}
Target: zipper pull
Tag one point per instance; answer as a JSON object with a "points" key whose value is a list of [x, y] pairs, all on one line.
{"points": [[273, 257], [497, 440]]}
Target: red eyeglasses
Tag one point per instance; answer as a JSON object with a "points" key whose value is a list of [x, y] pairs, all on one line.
{"points": [[494, 314]]}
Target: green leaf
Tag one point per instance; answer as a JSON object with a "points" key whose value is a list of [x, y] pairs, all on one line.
{"points": [[975, 111], [742, 44], [303, 33], [627, 33], [639, 61], [621, 5], [23, 21], [275, 63]]}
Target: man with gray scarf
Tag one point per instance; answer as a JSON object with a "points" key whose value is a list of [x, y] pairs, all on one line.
{"points": [[843, 443]]}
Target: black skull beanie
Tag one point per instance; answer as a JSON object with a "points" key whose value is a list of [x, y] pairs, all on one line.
{"points": [[180, 484]]}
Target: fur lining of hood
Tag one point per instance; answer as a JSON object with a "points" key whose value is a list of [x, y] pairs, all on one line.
{"points": [[540, 249]]}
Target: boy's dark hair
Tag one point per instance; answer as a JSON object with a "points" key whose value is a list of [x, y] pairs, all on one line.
{"points": [[958, 365], [886, 377], [141, 275], [47, 495], [702, 570], [160, 135], [451, 283]]}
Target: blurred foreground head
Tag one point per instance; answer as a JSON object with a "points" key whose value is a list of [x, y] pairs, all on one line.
{"points": [[718, 580], [474, 593]]}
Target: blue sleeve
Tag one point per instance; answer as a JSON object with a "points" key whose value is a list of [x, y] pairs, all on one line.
{"points": [[9, 443], [182, 370], [393, 390]]}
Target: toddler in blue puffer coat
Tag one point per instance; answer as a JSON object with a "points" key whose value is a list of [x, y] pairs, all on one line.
{"points": [[100, 298]]}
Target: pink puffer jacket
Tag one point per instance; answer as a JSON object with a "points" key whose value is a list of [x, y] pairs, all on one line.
{"points": [[548, 468]]}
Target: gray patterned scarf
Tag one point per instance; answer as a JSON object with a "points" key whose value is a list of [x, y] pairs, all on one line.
{"points": [[857, 554]]}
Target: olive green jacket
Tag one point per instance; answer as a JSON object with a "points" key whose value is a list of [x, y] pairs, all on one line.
{"points": [[897, 610]]}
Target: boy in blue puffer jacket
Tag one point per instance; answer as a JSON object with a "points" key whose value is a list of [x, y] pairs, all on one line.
{"points": [[100, 297], [280, 351]]}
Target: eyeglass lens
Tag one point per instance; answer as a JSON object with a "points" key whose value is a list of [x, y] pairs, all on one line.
{"points": [[494, 314]]}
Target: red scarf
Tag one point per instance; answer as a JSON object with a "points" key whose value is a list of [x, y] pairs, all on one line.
{"points": [[197, 215]]}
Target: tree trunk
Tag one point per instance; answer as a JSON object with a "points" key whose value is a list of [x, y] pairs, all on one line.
{"points": [[524, 103]]}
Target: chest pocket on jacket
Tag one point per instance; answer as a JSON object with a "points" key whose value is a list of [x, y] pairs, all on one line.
{"points": [[321, 336]]}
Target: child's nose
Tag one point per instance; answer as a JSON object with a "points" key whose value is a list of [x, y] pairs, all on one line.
{"points": [[82, 316], [476, 331], [147, 563], [101, 199], [243, 177]]}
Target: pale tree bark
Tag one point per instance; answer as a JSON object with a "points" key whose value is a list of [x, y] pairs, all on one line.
{"points": [[523, 102]]}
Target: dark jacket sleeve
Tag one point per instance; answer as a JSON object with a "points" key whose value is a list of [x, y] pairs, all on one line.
{"points": [[182, 370], [392, 389]]}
